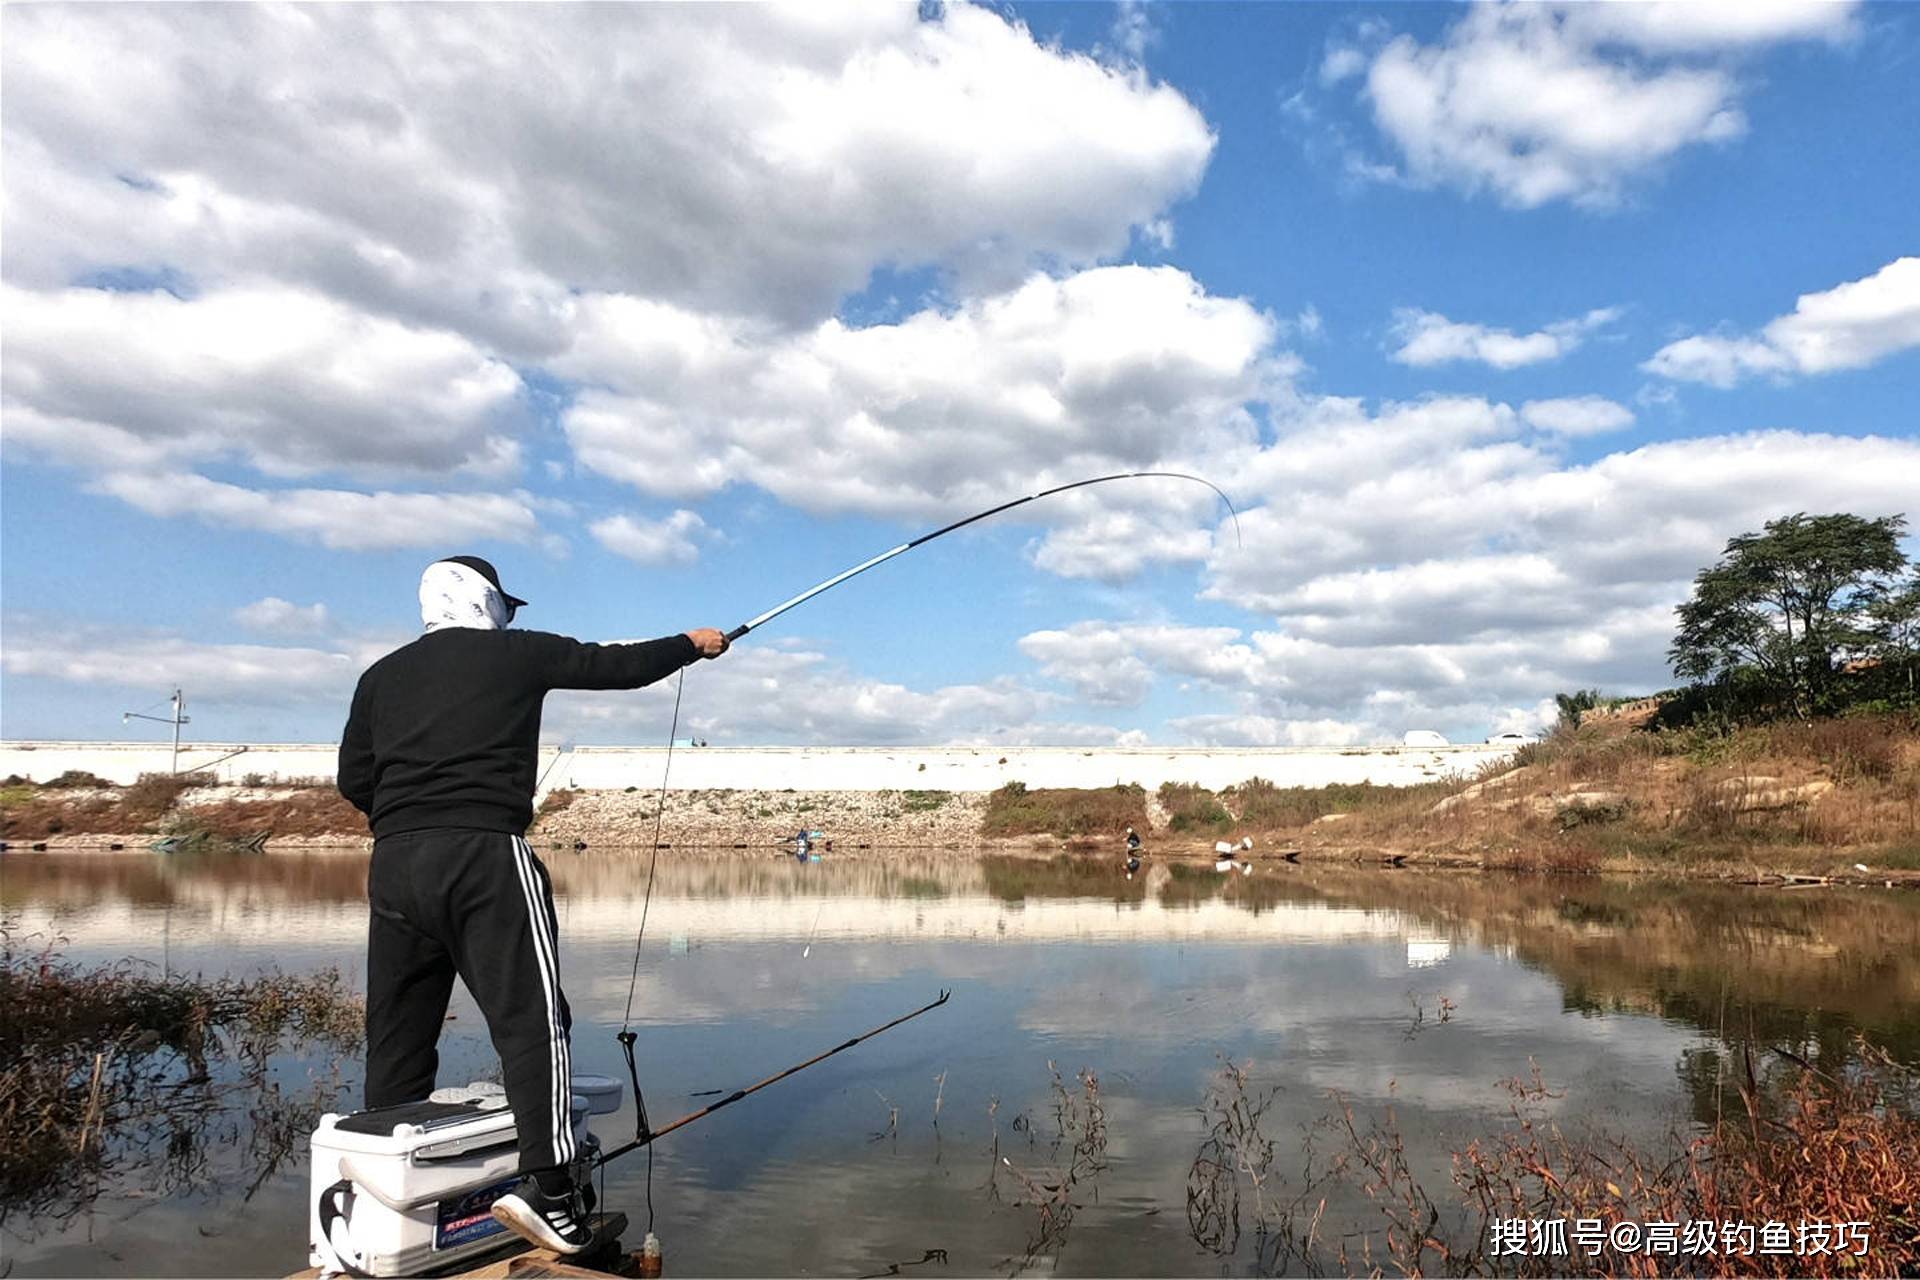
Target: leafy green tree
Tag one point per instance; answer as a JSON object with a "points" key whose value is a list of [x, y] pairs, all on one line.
{"points": [[1576, 704], [1897, 622], [1790, 605]]}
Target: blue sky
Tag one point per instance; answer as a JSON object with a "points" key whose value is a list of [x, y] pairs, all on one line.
{"points": [[1495, 321]]}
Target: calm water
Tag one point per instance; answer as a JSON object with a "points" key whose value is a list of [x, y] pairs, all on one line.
{"points": [[1388, 989]]}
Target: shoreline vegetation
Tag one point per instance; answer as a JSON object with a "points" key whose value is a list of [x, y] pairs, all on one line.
{"points": [[1826, 798], [128, 1084], [116, 1074]]}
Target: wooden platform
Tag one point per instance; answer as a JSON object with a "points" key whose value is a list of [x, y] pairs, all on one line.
{"points": [[521, 1261]]}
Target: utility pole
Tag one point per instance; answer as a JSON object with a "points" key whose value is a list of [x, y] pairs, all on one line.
{"points": [[176, 720]]}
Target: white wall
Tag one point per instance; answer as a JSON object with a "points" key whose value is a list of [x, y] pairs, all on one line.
{"points": [[814, 768]]}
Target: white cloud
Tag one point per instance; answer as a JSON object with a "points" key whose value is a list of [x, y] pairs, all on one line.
{"points": [[1428, 338], [336, 518], [792, 695], [1542, 102], [221, 673], [288, 381], [1268, 731], [1644, 519], [1288, 690], [1577, 415], [1707, 26], [482, 164], [1849, 326], [273, 614], [1133, 31], [493, 195], [1108, 666], [1343, 62], [755, 694], [1113, 369], [652, 542]]}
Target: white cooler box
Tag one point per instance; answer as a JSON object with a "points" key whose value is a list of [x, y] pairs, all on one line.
{"points": [[411, 1188]]}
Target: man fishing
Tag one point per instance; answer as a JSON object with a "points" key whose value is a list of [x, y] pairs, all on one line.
{"points": [[439, 753]]}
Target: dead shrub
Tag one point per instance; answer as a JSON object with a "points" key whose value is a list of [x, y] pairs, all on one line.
{"points": [[1818, 1149], [110, 1069], [558, 800], [152, 794], [1193, 808], [1013, 810], [1856, 747], [76, 778], [320, 811]]}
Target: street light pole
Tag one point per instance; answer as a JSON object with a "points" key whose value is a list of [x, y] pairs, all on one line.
{"points": [[176, 720]]}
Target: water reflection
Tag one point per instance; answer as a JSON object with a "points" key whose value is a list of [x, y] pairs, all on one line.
{"points": [[1135, 1001]]}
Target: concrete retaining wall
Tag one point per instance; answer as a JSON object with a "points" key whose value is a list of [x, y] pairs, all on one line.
{"points": [[812, 768]]}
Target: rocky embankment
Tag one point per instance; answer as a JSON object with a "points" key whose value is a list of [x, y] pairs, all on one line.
{"points": [[762, 819]]}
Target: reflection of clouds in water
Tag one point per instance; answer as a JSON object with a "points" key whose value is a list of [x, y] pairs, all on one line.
{"points": [[1312, 988]]}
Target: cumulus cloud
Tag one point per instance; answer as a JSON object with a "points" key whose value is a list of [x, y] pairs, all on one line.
{"points": [[1849, 326], [1472, 575], [273, 614], [1428, 338], [482, 164], [275, 675], [1577, 415], [340, 519], [1542, 102], [651, 542], [796, 695], [492, 198], [1642, 520], [758, 694], [1111, 369], [1289, 690], [287, 381]]}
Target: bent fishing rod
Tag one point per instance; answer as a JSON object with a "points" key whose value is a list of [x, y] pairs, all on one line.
{"points": [[647, 1134], [924, 538]]}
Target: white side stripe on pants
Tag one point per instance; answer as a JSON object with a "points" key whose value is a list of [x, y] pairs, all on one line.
{"points": [[559, 1054]]}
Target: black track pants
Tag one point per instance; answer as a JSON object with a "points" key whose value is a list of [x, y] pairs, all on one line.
{"points": [[476, 903]]}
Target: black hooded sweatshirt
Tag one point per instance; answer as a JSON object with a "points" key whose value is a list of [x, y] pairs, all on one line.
{"points": [[445, 731]]}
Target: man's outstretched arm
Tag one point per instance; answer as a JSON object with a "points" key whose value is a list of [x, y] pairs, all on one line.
{"points": [[569, 664]]}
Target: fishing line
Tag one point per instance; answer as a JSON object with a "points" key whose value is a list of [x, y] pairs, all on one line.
{"points": [[659, 812], [558, 752], [626, 1037], [816, 926]]}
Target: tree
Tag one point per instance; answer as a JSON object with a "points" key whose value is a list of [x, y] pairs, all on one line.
{"points": [[1576, 704], [1790, 605], [1897, 625]]}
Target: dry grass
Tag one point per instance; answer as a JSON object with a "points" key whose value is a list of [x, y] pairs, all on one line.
{"points": [[1683, 799], [111, 1069], [152, 804], [321, 811], [1014, 810], [1830, 1149], [154, 793], [558, 800], [1805, 1146], [1193, 810], [1260, 807]]}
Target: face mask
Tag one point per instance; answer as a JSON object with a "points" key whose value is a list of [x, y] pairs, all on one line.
{"points": [[452, 595]]}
